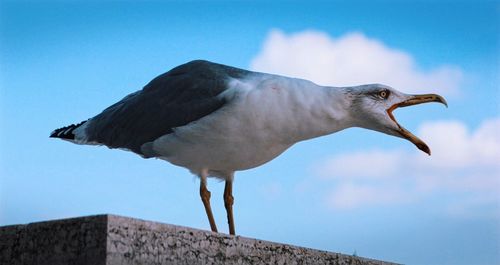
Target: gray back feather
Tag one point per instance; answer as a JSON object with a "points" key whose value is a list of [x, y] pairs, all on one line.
{"points": [[175, 98]]}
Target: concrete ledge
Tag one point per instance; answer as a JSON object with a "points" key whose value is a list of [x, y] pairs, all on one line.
{"points": [[110, 240]]}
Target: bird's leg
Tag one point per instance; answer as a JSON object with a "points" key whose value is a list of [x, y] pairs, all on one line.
{"points": [[228, 203], [205, 198]]}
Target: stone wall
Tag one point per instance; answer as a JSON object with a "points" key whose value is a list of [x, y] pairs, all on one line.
{"points": [[75, 241], [110, 240]]}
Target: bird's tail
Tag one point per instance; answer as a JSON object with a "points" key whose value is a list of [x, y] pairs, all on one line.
{"points": [[66, 133]]}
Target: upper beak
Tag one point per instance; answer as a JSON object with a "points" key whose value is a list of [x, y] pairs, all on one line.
{"points": [[410, 101]]}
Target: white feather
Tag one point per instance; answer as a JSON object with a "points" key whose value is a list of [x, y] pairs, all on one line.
{"points": [[264, 116]]}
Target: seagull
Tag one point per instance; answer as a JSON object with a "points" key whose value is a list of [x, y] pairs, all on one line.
{"points": [[214, 120]]}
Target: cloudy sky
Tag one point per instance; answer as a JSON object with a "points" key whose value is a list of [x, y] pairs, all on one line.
{"points": [[356, 191]]}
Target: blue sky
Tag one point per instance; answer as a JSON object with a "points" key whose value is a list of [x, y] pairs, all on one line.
{"points": [[354, 191]]}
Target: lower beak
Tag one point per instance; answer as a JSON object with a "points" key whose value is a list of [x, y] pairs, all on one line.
{"points": [[410, 101]]}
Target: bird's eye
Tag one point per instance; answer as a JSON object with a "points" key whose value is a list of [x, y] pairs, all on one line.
{"points": [[383, 94]]}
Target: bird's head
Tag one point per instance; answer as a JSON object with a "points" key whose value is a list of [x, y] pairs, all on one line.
{"points": [[372, 107]]}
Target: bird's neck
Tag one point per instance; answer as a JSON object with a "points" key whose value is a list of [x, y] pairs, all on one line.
{"points": [[305, 110], [324, 110]]}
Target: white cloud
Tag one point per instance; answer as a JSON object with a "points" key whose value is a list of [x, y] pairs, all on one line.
{"points": [[351, 59], [349, 195], [385, 162], [460, 148], [465, 165]]}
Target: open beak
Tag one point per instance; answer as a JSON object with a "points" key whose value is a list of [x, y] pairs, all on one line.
{"points": [[410, 101]]}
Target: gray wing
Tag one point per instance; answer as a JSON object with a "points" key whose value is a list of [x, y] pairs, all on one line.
{"points": [[175, 98]]}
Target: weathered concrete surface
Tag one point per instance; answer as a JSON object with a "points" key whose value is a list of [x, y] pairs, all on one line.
{"points": [[75, 241], [110, 240]]}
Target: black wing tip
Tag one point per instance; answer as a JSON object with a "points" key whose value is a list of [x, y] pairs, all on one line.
{"points": [[65, 132], [60, 133]]}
